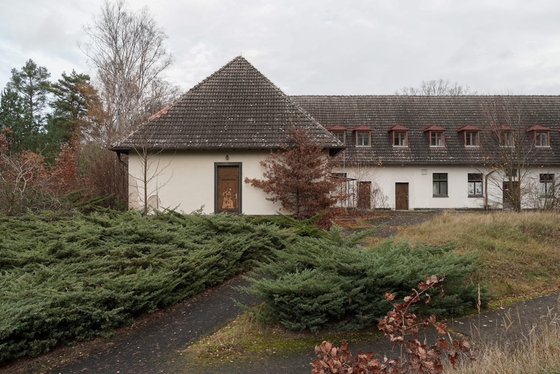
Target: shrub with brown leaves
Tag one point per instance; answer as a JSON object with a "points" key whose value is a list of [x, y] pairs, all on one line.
{"points": [[401, 327]]}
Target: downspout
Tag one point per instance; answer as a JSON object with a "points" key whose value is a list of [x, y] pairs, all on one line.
{"points": [[126, 187], [486, 188], [121, 161]]}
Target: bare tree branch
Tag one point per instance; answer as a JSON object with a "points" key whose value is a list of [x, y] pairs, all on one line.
{"points": [[129, 53], [438, 87]]}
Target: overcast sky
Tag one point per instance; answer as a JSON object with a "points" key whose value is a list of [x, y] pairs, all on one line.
{"points": [[317, 46]]}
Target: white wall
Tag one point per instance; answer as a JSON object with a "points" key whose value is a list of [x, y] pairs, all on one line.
{"points": [[185, 180], [420, 185]]}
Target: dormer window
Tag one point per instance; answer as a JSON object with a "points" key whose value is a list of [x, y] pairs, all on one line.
{"points": [[435, 135], [540, 135], [338, 132], [506, 139], [504, 135], [399, 135], [436, 139], [363, 136], [470, 135]]}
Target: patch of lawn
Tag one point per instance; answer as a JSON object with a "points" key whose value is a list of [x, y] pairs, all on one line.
{"points": [[245, 338], [519, 251]]}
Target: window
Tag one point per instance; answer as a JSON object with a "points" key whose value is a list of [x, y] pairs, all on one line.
{"points": [[475, 185], [340, 135], [470, 135], [511, 173], [506, 139], [400, 138], [471, 138], [540, 135], [541, 138], [440, 184], [362, 138], [399, 135], [436, 138], [546, 185]]}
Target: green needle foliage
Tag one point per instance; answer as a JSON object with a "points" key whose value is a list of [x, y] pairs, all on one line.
{"points": [[332, 282], [71, 278]]}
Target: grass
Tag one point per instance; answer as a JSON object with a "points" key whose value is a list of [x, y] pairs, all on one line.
{"points": [[247, 338], [520, 252], [539, 352]]}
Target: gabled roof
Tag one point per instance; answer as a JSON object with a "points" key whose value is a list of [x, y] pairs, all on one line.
{"points": [[432, 128], [237, 107], [397, 128], [538, 128], [418, 113], [467, 128]]}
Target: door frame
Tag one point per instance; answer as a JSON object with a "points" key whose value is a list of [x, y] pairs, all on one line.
{"points": [[364, 196], [217, 165], [407, 195]]}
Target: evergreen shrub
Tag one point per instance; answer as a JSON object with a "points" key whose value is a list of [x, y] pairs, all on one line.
{"points": [[332, 282], [67, 278]]}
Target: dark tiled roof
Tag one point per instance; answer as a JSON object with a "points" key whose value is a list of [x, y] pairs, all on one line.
{"points": [[235, 108], [417, 113]]}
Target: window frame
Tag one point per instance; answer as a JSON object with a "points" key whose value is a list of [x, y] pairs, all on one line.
{"points": [[358, 137], [546, 180], [469, 136], [442, 183], [401, 136], [434, 138], [474, 180], [505, 138], [538, 138], [340, 135]]}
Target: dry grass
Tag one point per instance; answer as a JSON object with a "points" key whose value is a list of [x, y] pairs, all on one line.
{"points": [[520, 252], [539, 353]]}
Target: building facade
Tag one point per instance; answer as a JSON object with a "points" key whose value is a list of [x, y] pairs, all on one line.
{"points": [[395, 152]]}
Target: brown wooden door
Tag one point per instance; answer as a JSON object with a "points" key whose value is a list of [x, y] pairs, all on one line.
{"points": [[364, 195], [227, 189], [401, 196]]}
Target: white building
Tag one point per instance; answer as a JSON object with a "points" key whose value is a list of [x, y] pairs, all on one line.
{"points": [[397, 152]]}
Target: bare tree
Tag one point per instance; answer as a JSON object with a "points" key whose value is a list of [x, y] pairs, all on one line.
{"points": [[438, 87], [511, 157], [128, 51], [147, 184]]}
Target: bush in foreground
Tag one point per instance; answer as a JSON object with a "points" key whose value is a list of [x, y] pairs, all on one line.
{"points": [[332, 282], [67, 278]]}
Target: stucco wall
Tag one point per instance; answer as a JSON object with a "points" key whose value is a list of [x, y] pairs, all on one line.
{"points": [[186, 181], [420, 184]]}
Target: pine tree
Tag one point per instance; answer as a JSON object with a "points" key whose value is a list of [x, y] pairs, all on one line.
{"points": [[24, 104]]}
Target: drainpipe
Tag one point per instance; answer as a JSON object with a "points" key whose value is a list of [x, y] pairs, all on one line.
{"points": [[120, 160], [486, 188]]}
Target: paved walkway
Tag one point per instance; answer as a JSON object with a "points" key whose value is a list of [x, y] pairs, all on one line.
{"points": [[146, 346], [508, 325], [145, 349]]}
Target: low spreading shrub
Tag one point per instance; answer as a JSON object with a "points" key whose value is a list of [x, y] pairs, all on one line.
{"points": [[332, 282], [67, 278]]}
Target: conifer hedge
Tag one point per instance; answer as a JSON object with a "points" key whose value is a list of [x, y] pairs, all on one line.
{"points": [[71, 278], [332, 282]]}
